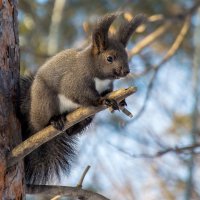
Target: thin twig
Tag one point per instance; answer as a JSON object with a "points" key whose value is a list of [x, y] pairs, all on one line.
{"points": [[149, 39], [167, 22], [175, 46], [56, 197], [46, 134], [73, 192], [177, 150], [80, 183], [191, 162], [56, 19]]}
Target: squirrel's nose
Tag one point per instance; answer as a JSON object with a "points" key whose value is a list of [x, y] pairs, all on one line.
{"points": [[126, 71]]}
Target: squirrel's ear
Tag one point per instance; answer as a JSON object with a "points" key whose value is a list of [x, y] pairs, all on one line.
{"points": [[128, 28], [100, 33]]}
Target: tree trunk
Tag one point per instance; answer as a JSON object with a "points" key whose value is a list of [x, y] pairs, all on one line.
{"points": [[11, 180]]}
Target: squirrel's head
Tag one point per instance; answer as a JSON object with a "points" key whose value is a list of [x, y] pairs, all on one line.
{"points": [[108, 52]]}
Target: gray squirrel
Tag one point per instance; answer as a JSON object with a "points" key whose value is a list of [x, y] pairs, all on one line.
{"points": [[68, 80]]}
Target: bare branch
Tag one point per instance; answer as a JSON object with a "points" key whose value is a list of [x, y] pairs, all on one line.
{"points": [[177, 150], [162, 29], [73, 192], [175, 46], [46, 134], [56, 197], [149, 39], [56, 19], [80, 183], [194, 136]]}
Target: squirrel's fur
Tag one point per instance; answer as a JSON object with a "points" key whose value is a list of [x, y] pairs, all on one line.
{"points": [[70, 79]]}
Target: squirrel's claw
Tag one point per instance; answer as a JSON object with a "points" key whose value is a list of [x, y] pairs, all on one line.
{"points": [[58, 122], [111, 103], [123, 103]]}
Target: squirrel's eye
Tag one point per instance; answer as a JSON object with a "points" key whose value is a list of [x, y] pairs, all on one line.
{"points": [[110, 59]]}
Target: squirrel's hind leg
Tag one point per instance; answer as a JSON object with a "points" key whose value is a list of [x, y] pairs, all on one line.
{"points": [[44, 105]]}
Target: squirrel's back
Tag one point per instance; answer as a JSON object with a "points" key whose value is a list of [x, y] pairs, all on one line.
{"points": [[56, 155]]}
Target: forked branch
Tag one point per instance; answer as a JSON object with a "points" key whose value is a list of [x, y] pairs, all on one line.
{"points": [[73, 192]]}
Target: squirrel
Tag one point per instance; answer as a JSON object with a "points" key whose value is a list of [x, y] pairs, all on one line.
{"points": [[68, 80]]}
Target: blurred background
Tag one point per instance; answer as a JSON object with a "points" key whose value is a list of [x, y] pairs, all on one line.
{"points": [[154, 155]]}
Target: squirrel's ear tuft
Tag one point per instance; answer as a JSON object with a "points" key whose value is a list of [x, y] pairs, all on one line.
{"points": [[128, 28], [100, 32]]}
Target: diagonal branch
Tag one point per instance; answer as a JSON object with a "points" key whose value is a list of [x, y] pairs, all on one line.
{"points": [[46, 134], [80, 183], [149, 39], [167, 23], [73, 192], [56, 19], [177, 150], [58, 192], [170, 53]]}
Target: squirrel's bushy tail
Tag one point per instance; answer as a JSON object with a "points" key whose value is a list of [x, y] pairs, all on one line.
{"points": [[55, 156]]}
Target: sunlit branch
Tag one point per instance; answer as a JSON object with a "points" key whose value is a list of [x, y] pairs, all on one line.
{"points": [[175, 46], [167, 22], [80, 183], [73, 192], [149, 39], [46, 134], [76, 193]]}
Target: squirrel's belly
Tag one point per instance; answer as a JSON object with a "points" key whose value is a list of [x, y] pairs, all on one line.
{"points": [[66, 104], [102, 85]]}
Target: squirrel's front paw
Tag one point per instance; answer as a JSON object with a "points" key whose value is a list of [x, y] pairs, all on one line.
{"points": [[111, 103], [122, 103], [58, 122]]}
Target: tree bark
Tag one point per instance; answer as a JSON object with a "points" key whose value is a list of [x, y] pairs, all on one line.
{"points": [[11, 179]]}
